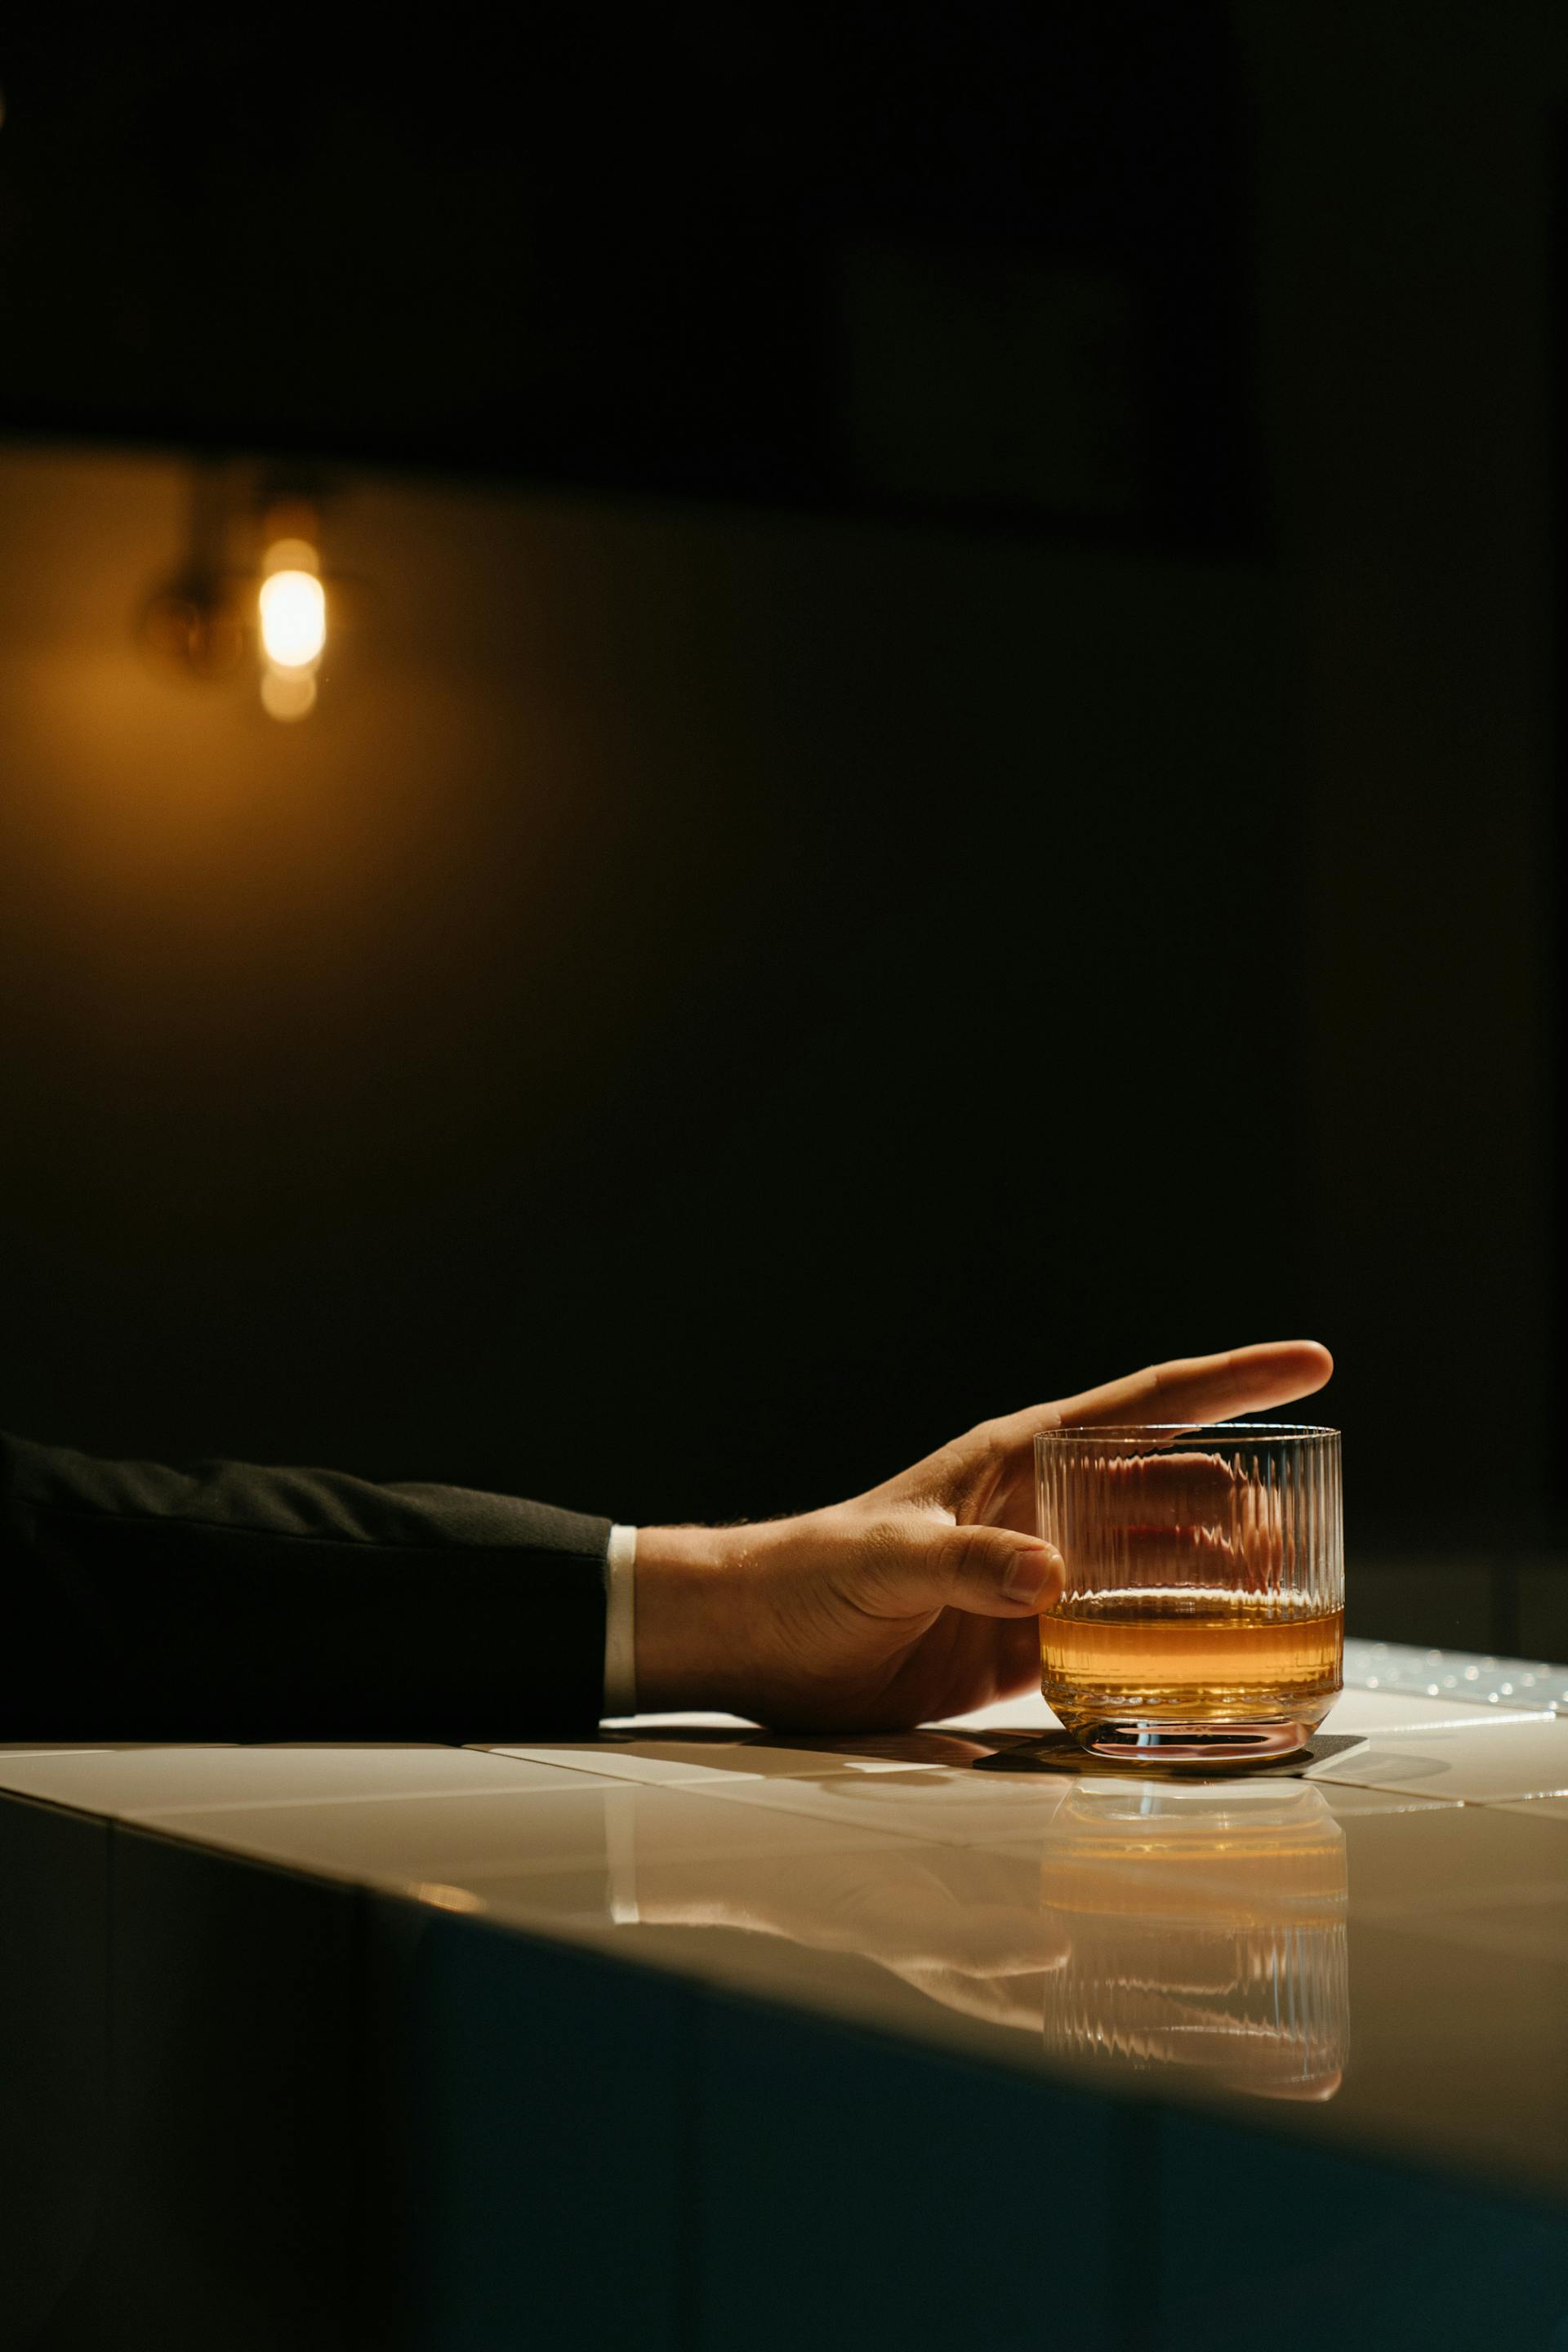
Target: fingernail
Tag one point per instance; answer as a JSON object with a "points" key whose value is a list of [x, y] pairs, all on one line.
{"points": [[1029, 1572]]}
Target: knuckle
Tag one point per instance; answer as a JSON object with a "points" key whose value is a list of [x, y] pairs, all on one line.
{"points": [[985, 1456], [999, 1466], [947, 1474], [996, 1442]]}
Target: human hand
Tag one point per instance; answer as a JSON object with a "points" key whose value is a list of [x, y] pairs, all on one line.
{"points": [[919, 1599]]}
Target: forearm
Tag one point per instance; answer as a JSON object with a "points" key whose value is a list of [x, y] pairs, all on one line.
{"points": [[234, 1601]]}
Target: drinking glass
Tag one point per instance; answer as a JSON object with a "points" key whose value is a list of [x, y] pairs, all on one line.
{"points": [[1202, 1619]]}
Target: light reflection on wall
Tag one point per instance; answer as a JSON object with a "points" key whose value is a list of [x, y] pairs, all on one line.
{"points": [[225, 945]]}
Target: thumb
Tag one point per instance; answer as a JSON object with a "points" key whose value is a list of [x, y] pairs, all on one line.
{"points": [[991, 1572]]}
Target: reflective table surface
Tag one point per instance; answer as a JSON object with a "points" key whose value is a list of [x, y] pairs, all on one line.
{"points": [[1370, 1952]]}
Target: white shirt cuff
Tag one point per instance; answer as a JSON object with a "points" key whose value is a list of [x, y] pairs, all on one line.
{"points": [[620, 1624]]}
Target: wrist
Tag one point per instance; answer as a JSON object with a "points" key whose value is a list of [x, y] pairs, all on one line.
{"points": [[686, 1618]]}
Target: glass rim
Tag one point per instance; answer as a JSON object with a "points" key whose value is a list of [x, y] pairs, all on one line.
{"points": [[1285, 1431]]}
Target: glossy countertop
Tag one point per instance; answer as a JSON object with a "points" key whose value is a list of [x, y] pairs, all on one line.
{"points": [[1371, 1951]]}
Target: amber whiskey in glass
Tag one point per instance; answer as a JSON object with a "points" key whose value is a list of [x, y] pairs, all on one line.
{"points": [[1202, 1619]]}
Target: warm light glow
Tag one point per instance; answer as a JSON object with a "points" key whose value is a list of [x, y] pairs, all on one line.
{"points": [[287, 693], [290, 555], [293, 619]]}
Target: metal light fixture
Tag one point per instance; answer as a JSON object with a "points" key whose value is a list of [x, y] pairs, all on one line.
{"points": [[203, 621], [194, 622]]}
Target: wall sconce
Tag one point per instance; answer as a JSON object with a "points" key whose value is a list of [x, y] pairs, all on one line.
{"points": [[205, 620], [193, 623]]}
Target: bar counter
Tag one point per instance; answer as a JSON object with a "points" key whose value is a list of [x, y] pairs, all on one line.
{"points": [[694, 2035]]}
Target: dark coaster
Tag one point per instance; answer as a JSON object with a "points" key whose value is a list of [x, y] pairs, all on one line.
{"points": [[1058, 1751]]}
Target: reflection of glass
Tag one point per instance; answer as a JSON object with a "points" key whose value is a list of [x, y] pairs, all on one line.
{"points": [[1207, 1930], [1202, 1619]]}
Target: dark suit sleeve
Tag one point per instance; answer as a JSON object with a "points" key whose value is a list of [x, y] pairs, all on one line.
{"points": [[230, 1602]]}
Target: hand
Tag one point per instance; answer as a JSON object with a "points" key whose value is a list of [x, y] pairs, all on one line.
{"points": [[918, 1599]]}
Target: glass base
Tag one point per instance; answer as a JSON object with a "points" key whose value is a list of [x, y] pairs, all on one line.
{"points": [[1207, 1746]]}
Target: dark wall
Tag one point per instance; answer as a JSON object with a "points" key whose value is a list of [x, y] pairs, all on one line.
{"points": [[702, 1009], [1407, 283], [934, 779]]}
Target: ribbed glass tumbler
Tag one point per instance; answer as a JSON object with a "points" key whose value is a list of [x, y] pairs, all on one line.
{"points": [[1202, 1620]]}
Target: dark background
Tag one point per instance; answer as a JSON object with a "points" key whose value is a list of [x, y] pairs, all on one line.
{"points": [[935, 769]]}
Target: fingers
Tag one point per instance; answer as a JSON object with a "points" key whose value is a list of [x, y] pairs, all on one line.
{"points": [[1205, 1388], [1181, 1519], [1175, 1489], [1172, 1559], [1193, 1389], [989, 1571]]}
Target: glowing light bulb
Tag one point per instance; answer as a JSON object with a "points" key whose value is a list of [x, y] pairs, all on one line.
{"points": [[293, 619]]}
